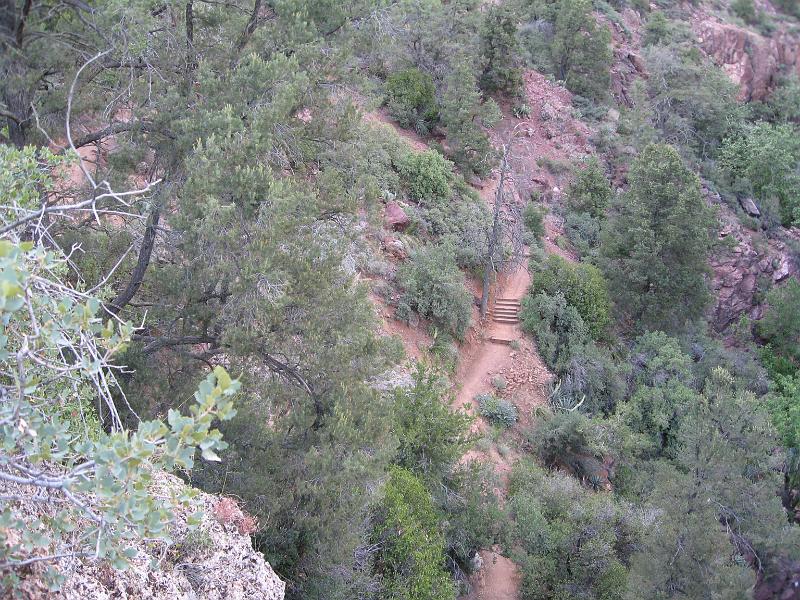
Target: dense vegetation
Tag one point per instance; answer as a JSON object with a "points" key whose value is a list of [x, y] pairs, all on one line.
{"points": [[228, 221]]}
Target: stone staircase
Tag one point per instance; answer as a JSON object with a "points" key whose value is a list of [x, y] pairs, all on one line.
{"points": [[506, 312]]}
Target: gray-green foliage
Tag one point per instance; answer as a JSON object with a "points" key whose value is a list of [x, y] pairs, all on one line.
{"points": [[716, 500], [57, 355], [781, 323], [692, 103], [562, 37], [435, 288], [431, 436], [590, 192], [500, 51], [560, 331], [569, 539], [411, 97], [581, 50], [764, 159], [427, 176], [497, 410]]}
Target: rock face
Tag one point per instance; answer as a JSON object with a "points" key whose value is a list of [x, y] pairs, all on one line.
{"points": [[751, 60], [216, 562], [750, 266]]}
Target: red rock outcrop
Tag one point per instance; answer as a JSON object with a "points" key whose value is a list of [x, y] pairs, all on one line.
{"points": [[751, 60], [752, 264]]}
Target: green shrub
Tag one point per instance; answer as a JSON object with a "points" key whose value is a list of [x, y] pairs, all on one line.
{"points": [[426, 175], [569, 539], [790, 7], [557, 326], [781, 323], [533, 217], [656, 246], [499, 383], [693, 102], [411, 97], [412, 548], [496, 410], [581, 50], [500, 49], [582, 285], [657, 30], [590, 191], [583, 230], [592, 379], [522, 111], [555, 166], [765, 158], [58, 353], [783, 404], [431, 436], [435, 288], [745, 10]]}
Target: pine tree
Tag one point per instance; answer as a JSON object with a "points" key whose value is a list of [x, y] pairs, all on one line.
{"points": [[500, 51], [656, 246], [581, 50]]}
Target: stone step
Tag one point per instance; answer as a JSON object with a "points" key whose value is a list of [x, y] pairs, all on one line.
{"points": [[508, 321], [497, 340], [507, 301]]}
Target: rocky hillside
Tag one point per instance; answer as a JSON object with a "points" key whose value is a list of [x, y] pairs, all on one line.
{"points": [[214, 561]]}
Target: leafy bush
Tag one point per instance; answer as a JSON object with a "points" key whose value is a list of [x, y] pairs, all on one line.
{"points": [[783, 404], [522, 111], [407, 528], [465, 113], [497, 410], [657, 30], [582, 285], [557, 326], [59, 345], [790, 7], [766, 158], [533, 217], [592, 379], [499, 382], [781, 323], [590, 191], [462, 223], [583, 230], [431, 436], [569, 539], [745, 10], [436, 289], [655, 248], [694, 104], [499, 49], [411, 97], [427, 176], [581, 49]]}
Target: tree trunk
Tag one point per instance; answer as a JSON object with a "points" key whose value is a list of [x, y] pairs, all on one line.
{"points": [[494, 236]]}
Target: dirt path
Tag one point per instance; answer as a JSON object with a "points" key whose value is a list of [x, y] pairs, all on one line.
{"points": [[482, 359], [527, 378]]}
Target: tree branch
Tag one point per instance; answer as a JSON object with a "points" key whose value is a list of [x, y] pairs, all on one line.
{"points": [[145, 252]]}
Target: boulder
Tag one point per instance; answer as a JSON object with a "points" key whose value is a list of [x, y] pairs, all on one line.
{"points": [[749, 206], [395, 217]]}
